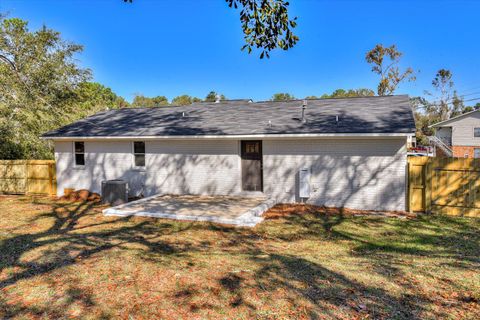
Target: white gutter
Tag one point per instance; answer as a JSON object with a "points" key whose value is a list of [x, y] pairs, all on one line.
{"points": [[236, 137]]}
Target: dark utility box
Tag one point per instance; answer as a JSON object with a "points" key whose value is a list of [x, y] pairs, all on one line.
{"points": [[114, 192]]}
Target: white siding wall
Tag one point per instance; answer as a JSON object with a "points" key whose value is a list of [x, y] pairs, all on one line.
{"points": [[462, 134], [104, 160], [363, 174], [193, 167], [173, 167]]}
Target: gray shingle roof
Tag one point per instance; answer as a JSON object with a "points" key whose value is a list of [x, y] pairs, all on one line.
{"points": [[388, 114]]}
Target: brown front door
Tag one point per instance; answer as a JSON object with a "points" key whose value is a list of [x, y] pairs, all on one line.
{"points": [[252, 176]]}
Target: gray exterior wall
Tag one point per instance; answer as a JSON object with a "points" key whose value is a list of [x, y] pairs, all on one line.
{"points": [[363, 174], [462, 130], [356, 173]]}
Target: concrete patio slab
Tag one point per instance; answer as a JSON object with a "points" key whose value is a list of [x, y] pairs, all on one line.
{"points": [[240, 211]]}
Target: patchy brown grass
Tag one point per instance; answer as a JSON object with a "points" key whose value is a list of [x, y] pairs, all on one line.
{"points": [[66, 260], [285, 210]]}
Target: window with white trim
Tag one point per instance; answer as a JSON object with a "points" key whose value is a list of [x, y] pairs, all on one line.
{"points": [[476, 132], [139, 153], [79, 150]]}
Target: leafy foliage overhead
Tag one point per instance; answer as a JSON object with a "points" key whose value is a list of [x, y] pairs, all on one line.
{"points": [[385, 61], [266, 25]]}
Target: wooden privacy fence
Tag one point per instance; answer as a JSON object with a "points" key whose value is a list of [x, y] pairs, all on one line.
{"points": [[444, 185], [28, 177]]}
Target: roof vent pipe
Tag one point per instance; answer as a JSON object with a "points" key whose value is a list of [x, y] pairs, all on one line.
{"points": [[336, 119], [304, 106], [218, 98]]}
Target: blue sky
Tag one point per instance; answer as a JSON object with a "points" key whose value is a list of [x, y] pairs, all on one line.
{"points": [[172, 47]]}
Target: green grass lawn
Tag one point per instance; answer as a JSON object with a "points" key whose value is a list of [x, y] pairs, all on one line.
{"points": [[66, 260]]}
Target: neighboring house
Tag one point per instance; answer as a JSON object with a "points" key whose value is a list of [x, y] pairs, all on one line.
{"points": [[352, 152], [460, 135]]}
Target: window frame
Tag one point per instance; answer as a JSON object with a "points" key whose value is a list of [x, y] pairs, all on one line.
{"points": [[475, 149], [134, 155], [474, 136], [75, 154]]}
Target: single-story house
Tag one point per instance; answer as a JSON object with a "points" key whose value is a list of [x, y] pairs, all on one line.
{"points": [[336, 152], [459, 136]]}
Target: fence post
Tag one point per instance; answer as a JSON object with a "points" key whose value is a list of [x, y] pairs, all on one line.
{"points": [[428, 169], [51, 179], [26, 176], [50, 176], [409, 188]]}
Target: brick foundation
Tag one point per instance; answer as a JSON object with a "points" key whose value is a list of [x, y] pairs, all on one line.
{"points": [[462, 151]]}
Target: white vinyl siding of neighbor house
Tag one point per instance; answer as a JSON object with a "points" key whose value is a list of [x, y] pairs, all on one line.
{"points": [[462, 129], [357, 173], [363, 174]]}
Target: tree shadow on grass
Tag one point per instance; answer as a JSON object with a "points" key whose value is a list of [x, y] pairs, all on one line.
{"points": [[309, 289], [425, 236], [66, 240], [390, 240], [442, 236], [297, 222], [295, 279], [328, 290], [71, 297]]}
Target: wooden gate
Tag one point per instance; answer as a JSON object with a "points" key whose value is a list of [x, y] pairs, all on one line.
{"points": [[444, 185], [28, 177]]}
